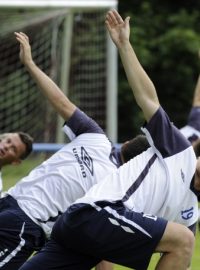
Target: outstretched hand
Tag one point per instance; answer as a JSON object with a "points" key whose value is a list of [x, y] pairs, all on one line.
{"points": [[118, 28], [25, 49]]}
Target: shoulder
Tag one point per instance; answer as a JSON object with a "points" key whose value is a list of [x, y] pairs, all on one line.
{"points": [[163, 135], [81, 123]]}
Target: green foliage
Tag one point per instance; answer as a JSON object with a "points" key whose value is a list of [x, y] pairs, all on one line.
{"points": [[166, 39]]}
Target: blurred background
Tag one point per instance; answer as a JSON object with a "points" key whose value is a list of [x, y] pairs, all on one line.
{"points": [[166, 38], [69, 42]]}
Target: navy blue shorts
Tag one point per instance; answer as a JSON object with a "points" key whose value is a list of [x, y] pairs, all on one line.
{"points": [[83, 236], [19, 235]]}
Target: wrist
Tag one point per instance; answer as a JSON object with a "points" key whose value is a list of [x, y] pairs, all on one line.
{"points": [[29, 64], [125, 46]]}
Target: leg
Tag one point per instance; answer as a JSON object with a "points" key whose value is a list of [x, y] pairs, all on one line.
{"points": [[113, 233], [14, 249], [177, 246], [83, 236], [53, 256], [19, 235]]}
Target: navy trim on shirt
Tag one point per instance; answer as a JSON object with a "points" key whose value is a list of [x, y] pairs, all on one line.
{"points": [[115, 156], [140, 179], [81, 123], [166, 137]]}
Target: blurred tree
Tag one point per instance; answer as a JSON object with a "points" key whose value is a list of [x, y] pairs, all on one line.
{"points": [[166, 38]]}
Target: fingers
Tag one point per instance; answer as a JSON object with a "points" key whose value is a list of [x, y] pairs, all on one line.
{"points": [[113, 18], [109, 22], [21, 37], [118, 18], [24, 35], [108, 25], [127, 20]]}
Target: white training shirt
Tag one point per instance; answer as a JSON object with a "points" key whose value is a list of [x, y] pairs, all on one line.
{"points": [[51, 187], [192, 130], [157, 181]]}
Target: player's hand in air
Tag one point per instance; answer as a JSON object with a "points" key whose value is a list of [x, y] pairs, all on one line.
{"points": [[25, 48], [118, 28]]}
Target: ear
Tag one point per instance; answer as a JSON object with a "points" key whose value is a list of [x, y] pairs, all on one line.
{"points": [[16, 162]]}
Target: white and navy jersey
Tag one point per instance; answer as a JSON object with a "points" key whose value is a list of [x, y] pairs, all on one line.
{"points": [[158, 180], [51, 187], [192, 130]]}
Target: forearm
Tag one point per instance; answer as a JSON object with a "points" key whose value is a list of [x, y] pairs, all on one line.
{"points": [[142, 87], [53, 93]]}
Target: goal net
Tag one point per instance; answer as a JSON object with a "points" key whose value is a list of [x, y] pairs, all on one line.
{"points": [[71, 46]]}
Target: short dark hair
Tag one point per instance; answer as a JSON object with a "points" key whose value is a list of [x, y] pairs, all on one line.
{"points": [[28, 141], [196, 147], [134, 147]]}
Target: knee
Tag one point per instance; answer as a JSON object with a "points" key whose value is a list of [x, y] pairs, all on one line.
{"points": [[177, 239], [186, 242]]}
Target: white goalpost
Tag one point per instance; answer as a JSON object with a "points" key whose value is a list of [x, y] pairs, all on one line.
{"points": [[70, 43], [60, 3]]}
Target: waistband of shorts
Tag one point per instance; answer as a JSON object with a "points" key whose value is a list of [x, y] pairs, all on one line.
{"points": [[13, 202]]}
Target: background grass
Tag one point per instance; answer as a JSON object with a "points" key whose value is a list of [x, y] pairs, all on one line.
{"points": [[11, 174]]}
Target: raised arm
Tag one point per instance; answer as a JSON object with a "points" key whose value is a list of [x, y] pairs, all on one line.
{"points": [[196, 98], [142, 87], [54, 94]]}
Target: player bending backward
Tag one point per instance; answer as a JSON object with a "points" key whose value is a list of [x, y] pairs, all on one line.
{"points": [[31, 207], [113, 220], [36, 201]]}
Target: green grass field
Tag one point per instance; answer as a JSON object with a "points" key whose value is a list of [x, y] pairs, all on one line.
{"points": [[11, 174]]}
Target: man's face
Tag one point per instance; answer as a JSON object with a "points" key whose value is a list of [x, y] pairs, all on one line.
{"points": [[11, 148]]}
